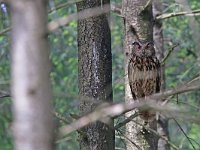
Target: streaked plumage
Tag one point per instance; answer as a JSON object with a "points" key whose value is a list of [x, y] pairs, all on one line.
{"points": [[144, 72]]}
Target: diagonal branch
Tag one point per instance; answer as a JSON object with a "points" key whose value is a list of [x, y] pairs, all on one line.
{"points": [[118, 109], [184, 13], [184, 133], [157, 134], [90, 12], [169, 52], [63, 5]]}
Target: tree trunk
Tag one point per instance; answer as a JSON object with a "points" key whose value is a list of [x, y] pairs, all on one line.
{"points": [[95, 75], [33, 123], [159, 46], [137, 19]]}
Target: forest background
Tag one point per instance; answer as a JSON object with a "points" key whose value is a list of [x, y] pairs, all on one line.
{"points": [[181, 65]]}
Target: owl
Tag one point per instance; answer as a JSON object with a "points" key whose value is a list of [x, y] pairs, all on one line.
{"points": [[144, 73]]}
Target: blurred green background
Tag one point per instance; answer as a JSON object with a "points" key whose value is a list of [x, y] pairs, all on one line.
{"points": [[181, 66]]}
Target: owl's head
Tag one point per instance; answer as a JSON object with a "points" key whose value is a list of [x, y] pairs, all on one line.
{"points": [[143, 49]]}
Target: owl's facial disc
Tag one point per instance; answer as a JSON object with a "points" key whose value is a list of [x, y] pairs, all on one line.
{"points": [[137, 49], [148, 49]]}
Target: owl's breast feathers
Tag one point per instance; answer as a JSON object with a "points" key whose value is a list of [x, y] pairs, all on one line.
{"points": [[144, 76]]}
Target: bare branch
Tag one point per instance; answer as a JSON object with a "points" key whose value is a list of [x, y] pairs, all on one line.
{"points": [[61, 118], [127, 138], [157, 134], [4, 94], [4, 1], [146, 5], [3, 32], [53, 25], [119, 125], [184, 13], [117, 109], [116, 10], [168, 54], [63, 5], [90, 12], [184, 133]]}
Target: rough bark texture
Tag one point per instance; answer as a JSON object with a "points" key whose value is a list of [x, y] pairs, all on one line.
{"points": [[139, 19], [95, 75], [33, 123], [162, 127]]}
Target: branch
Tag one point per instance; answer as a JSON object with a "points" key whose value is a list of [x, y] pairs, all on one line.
{"points": [[4, 94], [169, 52], [184, 13], [119, 125], [49, 11], [5, 31], [158, 135], [55, 24], [90, 12], [155, 133], [116, 10], [4, 1], [63, 5], [118, 109], [184, 133], [149, 2], [127, 138], [61, 118]]}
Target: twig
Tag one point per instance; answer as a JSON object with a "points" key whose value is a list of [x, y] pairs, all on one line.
{"points": [[90, 12], [50, 11], [53, 25], [184, 133], [3, 96], [129, 140], [3, 32], [146, 5], [190, 105], [63, 5], [57, 115], [169, 52], [119, 125], [116, 10], [118, 109], [157, 134], [184, 13]]}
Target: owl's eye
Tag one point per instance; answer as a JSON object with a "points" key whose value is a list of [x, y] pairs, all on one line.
{"points": [[137, 45], [149, 44]]}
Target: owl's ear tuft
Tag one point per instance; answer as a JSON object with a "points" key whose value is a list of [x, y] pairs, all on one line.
{"points": [[136, 43], [150, 43]]}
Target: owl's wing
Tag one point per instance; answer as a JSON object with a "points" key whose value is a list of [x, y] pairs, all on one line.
{"points": [[131, 77], [158, 76]]}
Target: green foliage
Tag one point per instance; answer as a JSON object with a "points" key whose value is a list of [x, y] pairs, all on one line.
{"points": [[182, 65]]}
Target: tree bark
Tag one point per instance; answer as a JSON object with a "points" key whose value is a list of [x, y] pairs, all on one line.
{"points": [[138, 25], [31, 91], [95, 75], [162, 127]]}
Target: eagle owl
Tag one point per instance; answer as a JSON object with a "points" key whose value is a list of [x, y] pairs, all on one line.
{"points": [[144, 73]]}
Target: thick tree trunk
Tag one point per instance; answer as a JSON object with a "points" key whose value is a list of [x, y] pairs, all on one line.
{"points": [[159, 46], [95, 75], [137, 19], [33, 123]]}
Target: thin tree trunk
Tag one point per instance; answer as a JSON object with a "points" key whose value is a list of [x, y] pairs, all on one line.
{"points": [[159, 46], [95, 75], [33, 123], [139, 20]]}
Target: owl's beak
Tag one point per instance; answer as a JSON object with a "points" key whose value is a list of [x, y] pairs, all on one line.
{"points": [[143, 52]]}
